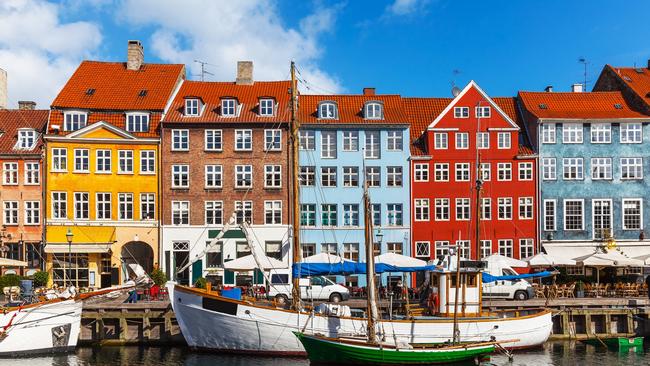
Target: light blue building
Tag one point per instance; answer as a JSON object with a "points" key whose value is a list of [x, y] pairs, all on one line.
{"points": [[341, 137]]}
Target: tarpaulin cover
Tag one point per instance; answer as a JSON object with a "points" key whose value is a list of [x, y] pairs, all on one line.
{"points": [[349, 268], [487, 278]]}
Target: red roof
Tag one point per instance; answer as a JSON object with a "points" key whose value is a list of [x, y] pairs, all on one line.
{"points": [[13, 119], [594, 105], [248, 96], [115, 118], [638, 79], [350, 109], [110, 86]]}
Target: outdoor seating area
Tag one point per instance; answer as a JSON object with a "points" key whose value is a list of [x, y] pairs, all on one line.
{"points": [[571, 290]]}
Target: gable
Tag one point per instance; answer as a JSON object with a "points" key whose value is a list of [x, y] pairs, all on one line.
{"points": [[101, 130]]}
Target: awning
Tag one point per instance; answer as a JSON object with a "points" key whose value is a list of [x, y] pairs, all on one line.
{"points": [[78, 248], [6, 262], [80, 234], [581, 250], [230, 234]]}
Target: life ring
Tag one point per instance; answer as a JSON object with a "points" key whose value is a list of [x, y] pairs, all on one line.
{"points": [[432, 303]]}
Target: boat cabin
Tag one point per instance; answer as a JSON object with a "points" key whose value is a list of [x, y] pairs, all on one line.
{"points": [[442, 287]]}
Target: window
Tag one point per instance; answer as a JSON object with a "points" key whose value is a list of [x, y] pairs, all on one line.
{"points": [[266, 107], [525, 171], [632, 214], [32, 173], [137, 122], [421, 172], [308, 249], [482, 112], [328, 215], [395, 248], [373, 110], [373, 176], [73, 121], [180, 212], [395, 141], [462, 140], [505, 247], [601, 133], [549, 215], [147, 206], [350, 215], [462, 209], [602, 211], [351, 251], [422, 249], [272, 176], [328, 176], [572, 168], [372, 145], [242, 249], [573, 214], [462, 172], [59, 205], [504, 208], [191, 107], [440, 140], [103, 161], [525, 208], [307, 140], [81, 206], [59, 160], [375, 210], [125, 161], [307, 215], [26, 139], [103, 206], [243, 140], [461, 112], [273, 249], [213, 140], [441, 171], [486, 248], [504, 171], [442, 209], [214, 258], [327, 111], [10, 216], [328, 144], [394, 176], [75, 265], [180, 176], [125, 206], [503, 140], [441, 248], [180, 140], [548, 133], [486, 172], [350, 176], [329, 248], [394, 214], [549, 171], [572, 133], [273, 140], [147, 162], [631, 168], [483, 140], [631, 133], [486, 209], [228, 107], [421, 209], [81, 160], [350, 140], [273, 212], [244, 211], [601, 168], [243, 176], [307, 175], [10, 173], [32, 212], [213, 176]]}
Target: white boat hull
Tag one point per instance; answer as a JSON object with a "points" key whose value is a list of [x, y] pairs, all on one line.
{"points": [[41, 328], [209, 322]]}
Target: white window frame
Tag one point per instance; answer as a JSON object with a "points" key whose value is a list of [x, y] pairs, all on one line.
{"points": [[486, 208], [395, 140], [10, 173], [601, 133], [504, 208], [571, 164], [213, 140], [32, 173], [274, 208], [244, 140], [463, 209], [273, 140], [27, 138], [60, 159], [103, 202], [328, 144], [440, 141], [147, 199], [350, 140], [548, 133], [483, 111], [504, 140], [505, 246], [350, 214], [243, 174], [59, 198], [350, 176], [275, 173], [423, 249], [572, 133], [609, 218], [504, 172], [69, 120], [582, 214], [147, 162], [462, 140], [182, 209], [10, 213], [631, 165], [394, 177], [329, 174], [267, 107], [547, 215], [125, 156], [327, 110], [482, 140], [442, 209], [372, 144], [229, 107], [529, 245], [636, 201], [82, 155], [81, 205], [528, 212], [32, 214], [461, 112], [601, 169], [183, 173], [124, 201], [139, 120], [549, 169], [373, 110], [525, 168], [216, 207], [441, 170], [307, 140], [421, 172], [213, 176], [463, 169], [421, 209], [486, 172], [183, 137], [631, 133], [192, 107], [100, 162]]}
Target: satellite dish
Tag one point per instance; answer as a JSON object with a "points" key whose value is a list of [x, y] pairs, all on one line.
{"points": [[455, 91]]}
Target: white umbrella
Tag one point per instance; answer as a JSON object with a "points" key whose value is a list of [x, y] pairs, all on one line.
{"points": [[613, 258], [248, 263], [645, 258], [545, 260], [6, 262], [399, 260], [324, 258], [503, 260]]}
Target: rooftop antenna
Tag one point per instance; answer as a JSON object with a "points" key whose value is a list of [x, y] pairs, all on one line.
{"points": [[584, 61], [455, 90], [203, 71]]}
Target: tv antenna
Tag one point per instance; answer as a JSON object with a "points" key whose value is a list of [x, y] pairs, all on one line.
{"points": [[584, 61], [203, 71], [455, 90]]}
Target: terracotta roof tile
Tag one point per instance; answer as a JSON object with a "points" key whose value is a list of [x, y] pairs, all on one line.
{"points": [[594, 105], [638, 79], [117, 119], [350, 109], [13, 119], [421, 112]]}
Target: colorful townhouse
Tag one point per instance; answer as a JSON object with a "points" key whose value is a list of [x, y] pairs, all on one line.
{"points": [[449, 137], [224, 151], [103, 159], [21, 193], [594, 171], [347, 141]]}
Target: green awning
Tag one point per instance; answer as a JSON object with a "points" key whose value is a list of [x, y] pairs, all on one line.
{"points": [[230, 234]]}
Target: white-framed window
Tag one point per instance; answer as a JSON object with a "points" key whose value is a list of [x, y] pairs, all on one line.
{"points": [[503, 140], [525, 171], [548, 133], [103, 206], [59, 205], [421, 209], [307, 176], [59, 159], [10, 214], [440, 141], [307, 139], [81, 206], [483, 140], [328, 144], [329, 248], [394, 214], [213, 212], [631, 168], [601, 133], [602, 218], [486, 248], [601, 168], [462, 140], [180, 212], [147, 206], [486, 172], [32, 212], [125, 160], [373, 110], [81, 160], [327, 110], [526, 248], [73, 121], [243, 176], [10, 173], [350, 140], [421, 172], [228, 107], [441, 172], [505, 247], [375, 210], [525, 208], [32, 173], [244, 211], [483, 112], [571, 133], [395, 140], [423, 249], [267, 107], [461, 112], [372, 144], [213, 140], [462, 209], [192, 107], [632, 213], [350, 176], [328, 214], [442, 209], [464, 248], [103, 162], [631, 133], [125, 206], [549, 215], [373, 176], [180, 140], [462, 172], [574, 218], [549, 169], [328, 176], [180, 176], [307, 214], [137, 122], [504, 208], [441, 248], [394, 176], [273, 212], [243, 140], [350, 214], [26, 139], [351, 251], [572, 168], [273, 140], [213, 176], [272, 176], [486, 208], [504, 171], [147, 161]]}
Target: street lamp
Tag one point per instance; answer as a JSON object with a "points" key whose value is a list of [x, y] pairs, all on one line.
{"points": [[69, 235], [379, 236]]}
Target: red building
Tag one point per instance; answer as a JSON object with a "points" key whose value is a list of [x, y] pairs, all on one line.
{"points": [[448, 137]]}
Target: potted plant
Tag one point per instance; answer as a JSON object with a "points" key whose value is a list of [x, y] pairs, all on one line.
{"points": [[580, 289]]}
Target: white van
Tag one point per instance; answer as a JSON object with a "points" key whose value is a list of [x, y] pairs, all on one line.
{"points": [[317, 288], [506, 289]]}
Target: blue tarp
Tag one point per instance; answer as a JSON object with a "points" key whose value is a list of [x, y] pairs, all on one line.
{"points": [[349, 268], [487, 278]]}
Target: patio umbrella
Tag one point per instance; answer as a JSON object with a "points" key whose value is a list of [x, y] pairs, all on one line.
{"points": [[612, 258], [546, 260], [248, 263], [503, 260], [399, 260], [645, 258], [324, 258]]}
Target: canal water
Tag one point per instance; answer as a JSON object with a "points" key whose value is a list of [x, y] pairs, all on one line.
{"points": [[554, 353]]}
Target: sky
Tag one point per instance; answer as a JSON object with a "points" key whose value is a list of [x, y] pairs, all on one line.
{"points": [[407, 47]]}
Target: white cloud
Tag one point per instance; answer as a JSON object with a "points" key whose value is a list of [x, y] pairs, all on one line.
{"points": [[405, 7], [223, 32], [39, 51]]}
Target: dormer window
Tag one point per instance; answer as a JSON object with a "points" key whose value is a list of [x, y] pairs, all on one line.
{"points": [[266, 107], [374, 110], [26, 139], [192, 107], [327, 110], [73, 121], [228, 107], [137, 122]]}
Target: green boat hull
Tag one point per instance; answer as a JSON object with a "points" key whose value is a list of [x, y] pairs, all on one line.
{"points": [[325, 351], [616, 342]]}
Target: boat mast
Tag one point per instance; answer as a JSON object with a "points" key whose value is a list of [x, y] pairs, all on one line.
{"points": [[373, 312], [456, 335], [295, 145], [479, 184]]}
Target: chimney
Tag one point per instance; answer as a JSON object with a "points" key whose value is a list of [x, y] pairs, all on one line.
{"points": [[368, 91], [244, 73], [134, 55], [549, 89], [3, 89], [576, 88], [26, 105], [648, 63]]}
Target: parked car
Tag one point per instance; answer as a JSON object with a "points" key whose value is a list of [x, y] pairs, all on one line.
{"points": [[316, 288], [506, 289]]}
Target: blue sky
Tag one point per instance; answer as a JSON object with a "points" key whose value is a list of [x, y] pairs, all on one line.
{"points": [[410, 47]]}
